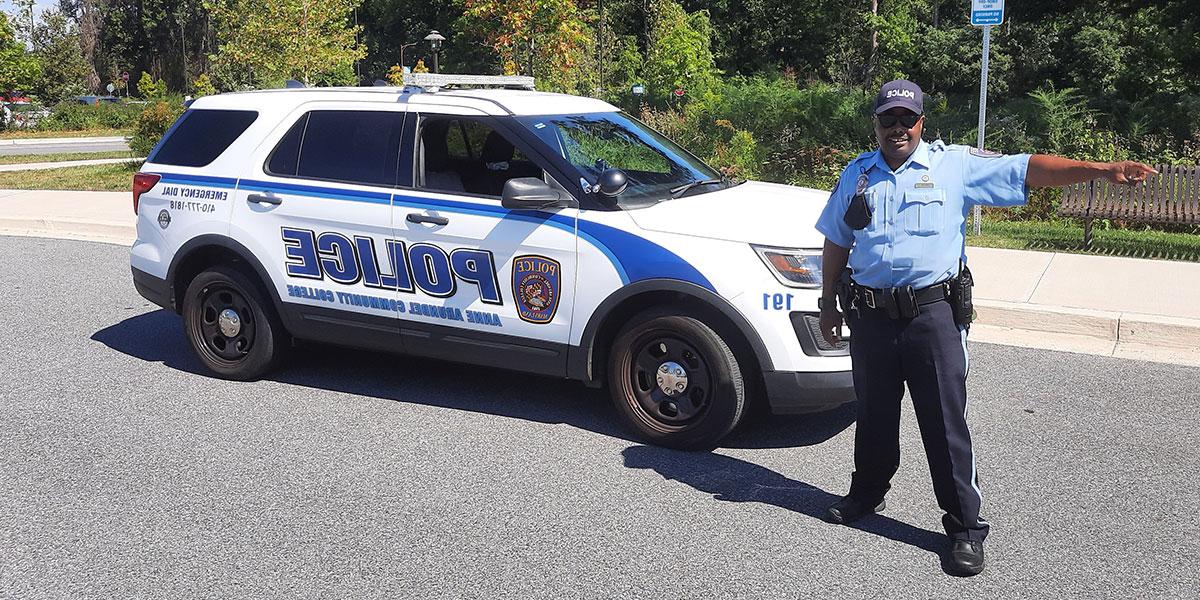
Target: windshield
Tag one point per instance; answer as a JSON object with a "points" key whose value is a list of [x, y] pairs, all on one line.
{"points": [[653, 164]]}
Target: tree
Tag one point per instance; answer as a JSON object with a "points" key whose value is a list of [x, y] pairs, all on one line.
{"points": [[548, 39], [264, 42], [56, 44], [679, 54], [18, 69]]}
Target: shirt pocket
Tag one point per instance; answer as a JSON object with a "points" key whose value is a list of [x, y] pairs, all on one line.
{"points": [[924, 211]]}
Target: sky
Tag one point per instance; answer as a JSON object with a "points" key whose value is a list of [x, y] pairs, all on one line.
{"points": [[7, 6]]}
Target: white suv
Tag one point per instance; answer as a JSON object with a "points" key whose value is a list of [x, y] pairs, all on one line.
{"points": [[504, 227]]}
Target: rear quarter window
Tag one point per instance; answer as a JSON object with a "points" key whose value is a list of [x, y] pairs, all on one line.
{"points": [[360, 147], [200, 136]]}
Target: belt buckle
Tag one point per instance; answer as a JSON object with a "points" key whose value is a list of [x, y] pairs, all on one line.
{"points": [[869, 297]]}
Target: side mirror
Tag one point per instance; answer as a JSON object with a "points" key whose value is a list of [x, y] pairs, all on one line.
{"points": [[531, 193], [612, 182]]}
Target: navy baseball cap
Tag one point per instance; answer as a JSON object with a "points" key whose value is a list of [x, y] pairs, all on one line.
{"points": [[902, 93]]}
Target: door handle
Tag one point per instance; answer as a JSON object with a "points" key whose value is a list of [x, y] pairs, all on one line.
{"points": [[420, 218], [261, 199]]}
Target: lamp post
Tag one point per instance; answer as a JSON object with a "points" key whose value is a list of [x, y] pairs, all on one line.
{"points": [[435, 40], [402, 47]]}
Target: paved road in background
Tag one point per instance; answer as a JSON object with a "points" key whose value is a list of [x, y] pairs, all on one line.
{"points": [[129, 473], [61, 147]]}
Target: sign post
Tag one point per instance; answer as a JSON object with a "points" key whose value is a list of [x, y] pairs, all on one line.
{"points": [[984, 13]]}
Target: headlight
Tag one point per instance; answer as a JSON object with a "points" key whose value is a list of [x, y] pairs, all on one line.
{"points": [[792, 267]]}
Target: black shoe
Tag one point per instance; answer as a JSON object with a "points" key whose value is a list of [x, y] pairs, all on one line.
{"points": [[966, 557], [851, 509]]}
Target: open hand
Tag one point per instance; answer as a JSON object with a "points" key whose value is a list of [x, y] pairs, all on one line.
{"points": [[1129, 172]]}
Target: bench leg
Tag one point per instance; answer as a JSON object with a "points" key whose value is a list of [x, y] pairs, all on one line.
{"points": [[1087, 234]]}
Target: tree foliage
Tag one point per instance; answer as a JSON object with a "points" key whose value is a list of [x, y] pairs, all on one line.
{"points": [[548, 39], [264, 42], [678, 55], [56, 45], [19, 70]]}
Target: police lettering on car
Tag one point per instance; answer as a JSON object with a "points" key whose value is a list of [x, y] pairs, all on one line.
{"points": [[897, 218]]}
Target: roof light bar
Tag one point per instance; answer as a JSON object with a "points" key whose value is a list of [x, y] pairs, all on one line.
{"points": [[433, 81]]}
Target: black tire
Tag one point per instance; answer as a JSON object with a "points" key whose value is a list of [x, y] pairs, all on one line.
{"points": [[711, 400], [260, 341]]}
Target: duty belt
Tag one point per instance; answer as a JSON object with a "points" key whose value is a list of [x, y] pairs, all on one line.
{"points": [[899, 302]]}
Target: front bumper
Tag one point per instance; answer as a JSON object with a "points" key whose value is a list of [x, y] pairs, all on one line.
{"points": [[790, 392], [152, 288]]}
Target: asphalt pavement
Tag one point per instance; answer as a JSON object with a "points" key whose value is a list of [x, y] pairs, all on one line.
{"points": [[128, 472]]}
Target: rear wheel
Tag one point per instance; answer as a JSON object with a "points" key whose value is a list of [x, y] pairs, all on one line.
{"points": [[230, 325], [675, 381]]}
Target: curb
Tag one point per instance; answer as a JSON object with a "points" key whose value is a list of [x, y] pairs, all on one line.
{"points": [[121, 234], [1121, 334], [68, 140]]}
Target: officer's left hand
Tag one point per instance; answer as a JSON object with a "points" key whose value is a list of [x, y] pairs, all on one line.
{"points": [[831, 325], [1129, 172]]}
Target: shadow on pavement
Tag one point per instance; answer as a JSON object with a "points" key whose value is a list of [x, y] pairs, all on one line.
{"points": [[734, 480], [158, 337]]}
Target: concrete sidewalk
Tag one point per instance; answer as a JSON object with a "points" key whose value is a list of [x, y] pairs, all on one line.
{"points": [[68, 163], [1125, 307], [65, 140]]}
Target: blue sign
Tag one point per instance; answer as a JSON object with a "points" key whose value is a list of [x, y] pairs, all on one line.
{"points": [[985, 12]]}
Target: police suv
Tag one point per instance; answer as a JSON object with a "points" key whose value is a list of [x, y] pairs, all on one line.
{"points": [[474, 219]]}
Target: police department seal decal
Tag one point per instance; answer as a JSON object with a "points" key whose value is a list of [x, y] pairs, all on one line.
{"points": [[164, 219], [536, 285]]}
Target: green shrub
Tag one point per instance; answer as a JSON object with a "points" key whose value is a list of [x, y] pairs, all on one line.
{"points": [[71, 116], [154, 121], [203, 86]]}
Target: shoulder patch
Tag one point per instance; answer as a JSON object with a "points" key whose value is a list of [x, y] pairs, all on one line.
{"points": [[981, 153]]}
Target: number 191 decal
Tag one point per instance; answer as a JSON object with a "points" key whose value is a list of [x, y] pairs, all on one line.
{"points": [[777, 302]]}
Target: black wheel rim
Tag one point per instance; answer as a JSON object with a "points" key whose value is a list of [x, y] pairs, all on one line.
{"points": [[677, 405], [223, 343]]}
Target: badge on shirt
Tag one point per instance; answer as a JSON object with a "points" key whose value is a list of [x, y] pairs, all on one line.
{"points": [[924, 183], [981, 153], [862, 184]]}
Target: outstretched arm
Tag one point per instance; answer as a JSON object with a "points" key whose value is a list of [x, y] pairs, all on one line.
{"points": [[1047, 170]]}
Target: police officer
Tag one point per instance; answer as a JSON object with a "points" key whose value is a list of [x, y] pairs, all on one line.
{"points": [[898, 218]]}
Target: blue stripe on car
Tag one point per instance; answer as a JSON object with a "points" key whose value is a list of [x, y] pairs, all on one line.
{"points": [[635, 258], [221, 182]]}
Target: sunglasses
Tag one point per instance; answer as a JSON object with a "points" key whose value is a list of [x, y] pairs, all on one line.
{"points": [[885, 120]]}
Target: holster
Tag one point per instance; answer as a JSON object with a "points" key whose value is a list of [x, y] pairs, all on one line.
{"points": [[960, 297], [845, 294]]}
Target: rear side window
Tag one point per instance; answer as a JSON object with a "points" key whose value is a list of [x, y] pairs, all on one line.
{"points": [[201, 136], [341, 145]]}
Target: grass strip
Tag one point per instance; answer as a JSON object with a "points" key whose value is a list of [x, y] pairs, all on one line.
{"points": [[21, 134], [24, 159], [1065, 236], [116, 177]]}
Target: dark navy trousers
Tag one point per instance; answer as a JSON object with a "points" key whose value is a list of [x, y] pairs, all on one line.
{"points": [[928, 353]]}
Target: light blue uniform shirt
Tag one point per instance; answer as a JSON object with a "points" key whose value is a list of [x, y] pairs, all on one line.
{"points": [[919, 211]]}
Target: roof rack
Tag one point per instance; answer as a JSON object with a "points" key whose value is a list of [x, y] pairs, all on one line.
{"points": [[431, 82]]}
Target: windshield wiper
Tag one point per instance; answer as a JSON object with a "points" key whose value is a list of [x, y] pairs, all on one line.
{"points": [[681, 190]]}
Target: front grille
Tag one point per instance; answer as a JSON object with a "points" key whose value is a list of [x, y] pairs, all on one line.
{"points": [[808, 331]]}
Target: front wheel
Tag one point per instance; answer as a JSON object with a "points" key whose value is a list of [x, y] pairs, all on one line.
{"points": [[230, 325], [675, 381]]}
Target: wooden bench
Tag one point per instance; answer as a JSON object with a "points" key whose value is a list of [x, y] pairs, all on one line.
{"points": [[1172, 196]]}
